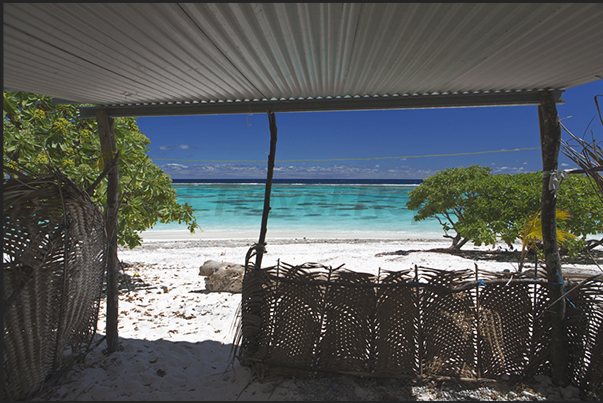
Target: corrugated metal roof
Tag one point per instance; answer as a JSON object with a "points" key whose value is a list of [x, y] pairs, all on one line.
{"points": [[137, 53]]}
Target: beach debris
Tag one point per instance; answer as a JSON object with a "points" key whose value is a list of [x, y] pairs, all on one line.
{"points": [[222, 276], [228, 280], [211, 266]]}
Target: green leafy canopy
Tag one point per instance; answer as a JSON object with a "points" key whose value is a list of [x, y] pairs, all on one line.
{"points": [[39, 134], [481, 207]]}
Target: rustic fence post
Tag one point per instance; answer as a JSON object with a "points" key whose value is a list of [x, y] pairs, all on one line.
{"points": [[109, 153], [478, 336], [419, 325], [251, 309], [550, 139], [263, 229], [534, 314]]}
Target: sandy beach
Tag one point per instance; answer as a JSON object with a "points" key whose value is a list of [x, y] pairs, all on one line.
{"points": [[177, 337]]}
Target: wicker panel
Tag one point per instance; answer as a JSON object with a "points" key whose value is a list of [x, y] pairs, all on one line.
{"points": [[249, 335], [318, 320], [540, 362], [345, 341], [448, 329], [504, 329], [584, 309], [54, 252], [396, 327], [593, 379], [293, 341]]}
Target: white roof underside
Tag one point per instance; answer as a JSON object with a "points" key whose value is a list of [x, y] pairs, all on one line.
{"points": [[160, 53]]}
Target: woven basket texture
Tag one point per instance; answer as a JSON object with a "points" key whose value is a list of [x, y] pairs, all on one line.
{"points": [[53, 266], [311, 320]]}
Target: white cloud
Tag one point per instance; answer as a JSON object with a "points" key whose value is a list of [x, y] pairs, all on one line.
{"points": [[508, 170], [178, 147], [240, 171], [174, 166]]}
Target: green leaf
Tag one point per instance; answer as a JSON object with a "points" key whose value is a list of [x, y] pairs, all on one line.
{"points": [[34, 126], [478, 206]]}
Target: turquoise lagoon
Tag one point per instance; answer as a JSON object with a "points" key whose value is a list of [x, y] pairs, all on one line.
{"points": [[360, 209]]}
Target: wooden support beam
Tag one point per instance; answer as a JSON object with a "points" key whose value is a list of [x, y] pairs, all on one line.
{"points": [[321, 105], [109, 153], [550, 140], [263, 229]]}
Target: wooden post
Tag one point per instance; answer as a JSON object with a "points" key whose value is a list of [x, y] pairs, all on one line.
{"points": [[419, 307], [478, 330], [263, 229], [550, 140], [109, 153]]}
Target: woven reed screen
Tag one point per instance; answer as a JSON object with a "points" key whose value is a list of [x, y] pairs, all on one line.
{"points": [[311, 319], [53, 266]]}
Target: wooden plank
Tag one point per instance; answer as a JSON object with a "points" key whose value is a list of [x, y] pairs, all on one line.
{"points": [[550, 139], [318, 104], [109, 153]]}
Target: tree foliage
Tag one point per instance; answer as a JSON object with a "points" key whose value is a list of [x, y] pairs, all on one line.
{"points": [[447, 196], [40, 135], [481, 207], [531, 234]]}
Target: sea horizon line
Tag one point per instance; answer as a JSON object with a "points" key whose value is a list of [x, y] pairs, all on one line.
{"points": [[301, 180]]}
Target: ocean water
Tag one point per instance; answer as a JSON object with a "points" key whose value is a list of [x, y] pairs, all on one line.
{"points": [[357, 208]]}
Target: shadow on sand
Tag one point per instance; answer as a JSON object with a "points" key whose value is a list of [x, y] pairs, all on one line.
{"points": [[156, 370]]}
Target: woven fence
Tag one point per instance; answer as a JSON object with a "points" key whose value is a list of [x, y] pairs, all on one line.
{"points": [[53, 266], [310, 319]]}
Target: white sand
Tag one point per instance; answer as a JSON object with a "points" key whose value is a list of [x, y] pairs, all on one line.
{"points": [[177, 337]]}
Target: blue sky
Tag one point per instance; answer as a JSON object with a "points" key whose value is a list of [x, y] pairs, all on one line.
{"points": [[376, 135]]}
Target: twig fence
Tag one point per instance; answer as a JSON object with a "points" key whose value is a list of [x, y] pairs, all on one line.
{"points": [[54, 246], [311, 319]]}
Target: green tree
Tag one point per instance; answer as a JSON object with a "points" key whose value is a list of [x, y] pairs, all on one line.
{"points": [[578, 196], [445, 196], [502, 204], [482, 207], [39, 135]]}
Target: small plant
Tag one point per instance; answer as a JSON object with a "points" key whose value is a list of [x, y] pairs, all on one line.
{"points": [[531, 233]]}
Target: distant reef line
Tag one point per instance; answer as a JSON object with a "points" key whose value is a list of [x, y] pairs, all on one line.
{"points": [[309, 181]]}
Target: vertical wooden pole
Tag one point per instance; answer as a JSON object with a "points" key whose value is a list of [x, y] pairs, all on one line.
{"points": [[419, 307], [550, 140], [477, 327], [109, 153], [263, 229]]}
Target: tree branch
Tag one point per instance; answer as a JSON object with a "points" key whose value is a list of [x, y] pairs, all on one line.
{"points": [[107, 169]]}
